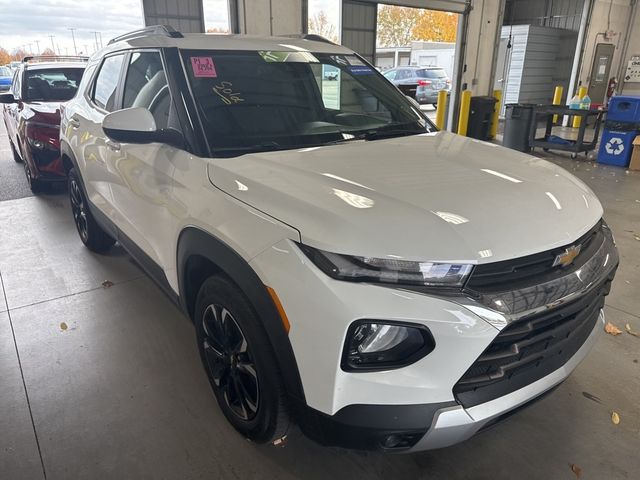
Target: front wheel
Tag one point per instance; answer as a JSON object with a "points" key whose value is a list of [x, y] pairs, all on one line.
{"points": [[14, 152], [91, 234], [240, 362], [35, 185]]}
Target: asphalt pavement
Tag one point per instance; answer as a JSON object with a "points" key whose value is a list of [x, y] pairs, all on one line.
{"points": [[13, 183]]}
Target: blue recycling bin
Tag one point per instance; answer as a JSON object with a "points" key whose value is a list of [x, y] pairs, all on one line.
{"points": [[616, 147], [624, 109]]}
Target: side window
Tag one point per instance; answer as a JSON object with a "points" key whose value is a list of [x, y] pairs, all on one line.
{"points": [[403, 74], [104, 92], [16, 84], [391, 75], [146, 86]]}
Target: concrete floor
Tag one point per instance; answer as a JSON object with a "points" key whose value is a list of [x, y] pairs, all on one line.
{"points": [[106, 382]]}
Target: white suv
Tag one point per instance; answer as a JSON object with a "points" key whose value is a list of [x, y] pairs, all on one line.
{"points": [[347, 267]]}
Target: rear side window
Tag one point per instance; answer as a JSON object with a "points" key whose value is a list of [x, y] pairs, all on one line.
{"points": [[104, 93], [431, 73]]}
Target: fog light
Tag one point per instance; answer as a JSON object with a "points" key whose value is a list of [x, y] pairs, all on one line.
{"points": [[398, 441], [377, 345]]}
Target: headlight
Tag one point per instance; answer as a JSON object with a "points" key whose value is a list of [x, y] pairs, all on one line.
{"points": [[380, 345], [383, 270]]}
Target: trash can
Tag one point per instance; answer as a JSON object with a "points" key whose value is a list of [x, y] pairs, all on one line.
{"points": [[518, 123], [616, 147], [480, 115]]}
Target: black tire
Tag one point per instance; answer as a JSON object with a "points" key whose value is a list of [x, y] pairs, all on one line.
{"points": [[14, 152], [239, 362], [35, 185], [91, 234]]}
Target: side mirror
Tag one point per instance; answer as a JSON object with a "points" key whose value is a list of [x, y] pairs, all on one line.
{"points": [[7, 98], [137, 125]]}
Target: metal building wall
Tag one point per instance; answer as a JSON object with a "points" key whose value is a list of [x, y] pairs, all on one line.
{"points": [[544, 13], [359, 26], [183, 15]]}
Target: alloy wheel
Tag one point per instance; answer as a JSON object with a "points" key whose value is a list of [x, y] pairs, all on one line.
{"points": [[79, 210], [230, 362]]}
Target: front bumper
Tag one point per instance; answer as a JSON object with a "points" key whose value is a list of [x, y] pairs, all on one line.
{"points": [[414, 428], [455, 424], [421, 405]]}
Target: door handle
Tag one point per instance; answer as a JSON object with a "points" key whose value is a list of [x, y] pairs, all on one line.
{"points": [[74, 122], [115, 146]]}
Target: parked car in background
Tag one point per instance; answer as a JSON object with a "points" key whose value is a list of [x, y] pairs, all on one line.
{"points": [[5, 78], [421, 83], [32, 114]]}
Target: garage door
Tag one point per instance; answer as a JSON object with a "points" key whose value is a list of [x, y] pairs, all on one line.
{"points": [[185, 15], [455, 6], [359, 25]]}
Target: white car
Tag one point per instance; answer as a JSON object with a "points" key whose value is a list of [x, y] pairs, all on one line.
{"points": [[347, 267]]}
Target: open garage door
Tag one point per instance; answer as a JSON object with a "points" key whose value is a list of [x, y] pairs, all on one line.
{"points": [[359, 27], [185, 15], [455, 6]]}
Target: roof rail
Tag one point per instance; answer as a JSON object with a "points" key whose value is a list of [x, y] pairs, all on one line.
{"points": [[309, 36], [54, 58], [165, 30]]}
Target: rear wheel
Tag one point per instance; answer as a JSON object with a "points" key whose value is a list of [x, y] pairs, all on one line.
{"points": [[91, 234], [240, 362]]}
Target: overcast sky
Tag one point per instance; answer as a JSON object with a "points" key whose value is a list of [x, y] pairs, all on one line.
{"points": [[24, 22]]}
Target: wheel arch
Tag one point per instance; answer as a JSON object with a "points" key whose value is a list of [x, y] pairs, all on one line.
{"points": [[68, 159], [201, 255]]}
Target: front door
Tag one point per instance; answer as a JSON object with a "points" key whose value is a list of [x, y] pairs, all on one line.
{"points": [[600, 69], [142, 184]]}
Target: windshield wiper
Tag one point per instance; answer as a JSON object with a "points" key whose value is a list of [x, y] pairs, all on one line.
{"points": [[258, 147]]}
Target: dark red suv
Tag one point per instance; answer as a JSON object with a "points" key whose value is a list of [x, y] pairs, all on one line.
{"points": [[32, 114]]}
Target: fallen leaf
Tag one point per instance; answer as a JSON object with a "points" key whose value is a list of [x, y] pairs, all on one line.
{"points": [[107, 284], [63, 326], [611, 329], [627, 327], [615, 418], [576, 469]]}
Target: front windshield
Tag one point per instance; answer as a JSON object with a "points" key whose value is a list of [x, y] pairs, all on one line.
{"points": [[52, 85], [257, 101]]}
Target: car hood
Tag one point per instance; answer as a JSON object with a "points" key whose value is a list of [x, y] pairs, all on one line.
{"points": [[45, 112], [429, 197]]}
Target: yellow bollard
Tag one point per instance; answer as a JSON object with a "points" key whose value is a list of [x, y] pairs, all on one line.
{"points": [[441, 109], [582, 91], [495, 118], [465, 106], [557, 97]]}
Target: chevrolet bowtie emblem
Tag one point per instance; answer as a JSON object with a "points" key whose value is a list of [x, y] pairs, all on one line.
{"points": [[568, 256]]}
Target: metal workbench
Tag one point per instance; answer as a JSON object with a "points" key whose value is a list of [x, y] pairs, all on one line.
{"points": [[576, 146]]}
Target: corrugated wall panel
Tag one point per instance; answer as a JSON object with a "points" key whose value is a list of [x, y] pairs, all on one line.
{"points": [[359, 21]]}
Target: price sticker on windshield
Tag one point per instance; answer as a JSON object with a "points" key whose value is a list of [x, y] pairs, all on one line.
{"points": [[203, 67]]}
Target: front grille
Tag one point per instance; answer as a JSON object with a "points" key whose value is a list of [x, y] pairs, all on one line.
{"points": [[531, 348], [532, 269]]}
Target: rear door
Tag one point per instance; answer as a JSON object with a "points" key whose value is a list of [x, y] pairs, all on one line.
{"points": [[102, 98]]}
